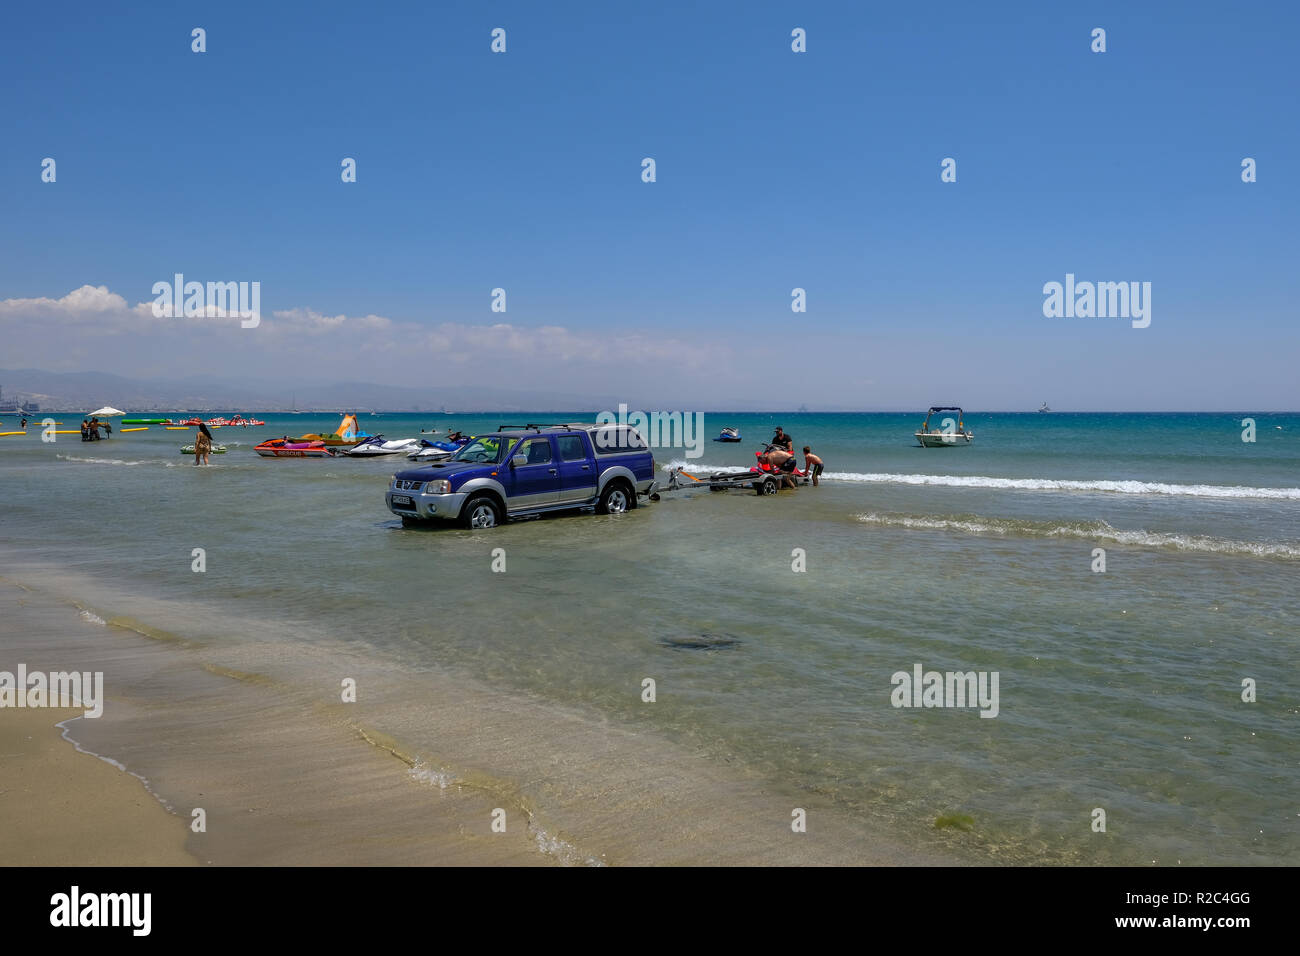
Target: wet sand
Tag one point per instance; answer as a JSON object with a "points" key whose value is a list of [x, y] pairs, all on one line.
{"points": [[414, 773], [64, 808]]}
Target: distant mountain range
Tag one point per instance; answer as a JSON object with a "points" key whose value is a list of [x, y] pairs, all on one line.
{"points": [[80, 391]]}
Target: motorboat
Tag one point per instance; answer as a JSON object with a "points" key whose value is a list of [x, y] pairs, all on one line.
{"points": [[379, 445], [729, 434], [946, 434], [1044, 408], [288, 448]]}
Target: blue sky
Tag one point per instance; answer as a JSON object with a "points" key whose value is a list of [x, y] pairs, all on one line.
{"points": [[775, 170]]}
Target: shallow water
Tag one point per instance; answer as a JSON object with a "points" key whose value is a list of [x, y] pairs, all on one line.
{"points": [[1119, 690]]}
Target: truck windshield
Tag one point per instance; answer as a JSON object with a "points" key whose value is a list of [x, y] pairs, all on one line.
{"points": [[486, 450]]}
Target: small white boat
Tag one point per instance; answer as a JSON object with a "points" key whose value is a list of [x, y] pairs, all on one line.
{"points": [[377, 446], [948, 433], [1044, 408]]}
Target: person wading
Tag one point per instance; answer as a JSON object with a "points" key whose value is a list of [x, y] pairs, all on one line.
{"points": [[202, 444]]}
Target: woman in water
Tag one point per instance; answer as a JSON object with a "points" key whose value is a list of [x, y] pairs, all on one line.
{"points": [[202, 444]]}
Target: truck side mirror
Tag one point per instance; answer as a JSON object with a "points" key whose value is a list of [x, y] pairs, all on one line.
{"points": [[518, 460]]}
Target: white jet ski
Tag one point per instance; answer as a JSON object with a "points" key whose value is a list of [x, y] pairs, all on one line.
{"points": [[430, 451], [374, 447]]}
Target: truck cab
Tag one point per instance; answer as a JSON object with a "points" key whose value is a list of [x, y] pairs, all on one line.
{"points": [[527, 470]]}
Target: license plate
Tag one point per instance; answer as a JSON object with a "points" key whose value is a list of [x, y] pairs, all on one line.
{"points": [[403, 500]]}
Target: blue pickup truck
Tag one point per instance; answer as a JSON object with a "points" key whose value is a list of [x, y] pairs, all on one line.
{"points": [[527, 470]]}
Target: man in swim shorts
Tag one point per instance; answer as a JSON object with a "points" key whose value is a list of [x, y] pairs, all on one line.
{"points": [[812, 464]]}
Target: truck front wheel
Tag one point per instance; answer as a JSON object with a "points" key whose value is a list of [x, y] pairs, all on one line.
{"points": [[480, 512]]}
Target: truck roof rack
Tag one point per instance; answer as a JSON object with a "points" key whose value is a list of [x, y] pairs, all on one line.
{"points": [[536, 426]]}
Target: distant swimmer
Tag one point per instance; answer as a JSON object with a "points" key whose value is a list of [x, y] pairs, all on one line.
{"points": [[812, 464]]}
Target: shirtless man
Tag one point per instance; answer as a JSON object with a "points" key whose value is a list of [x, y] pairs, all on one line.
{"points": [[782, 463], [812, 464]]}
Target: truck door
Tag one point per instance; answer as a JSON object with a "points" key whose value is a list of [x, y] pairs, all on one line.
{"points": [[577, 468], [537, 482]]}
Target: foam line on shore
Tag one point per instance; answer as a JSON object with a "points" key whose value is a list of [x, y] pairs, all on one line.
{"points": [[1083, 530], [420, 770], [64, 731]]}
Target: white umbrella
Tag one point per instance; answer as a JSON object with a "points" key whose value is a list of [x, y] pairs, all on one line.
{"points": [[106, 412]]}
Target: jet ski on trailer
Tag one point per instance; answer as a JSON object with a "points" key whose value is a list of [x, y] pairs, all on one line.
{"points": [[763, 478]]}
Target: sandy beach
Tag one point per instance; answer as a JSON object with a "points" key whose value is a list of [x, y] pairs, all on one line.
{"points": [[75, 809]]}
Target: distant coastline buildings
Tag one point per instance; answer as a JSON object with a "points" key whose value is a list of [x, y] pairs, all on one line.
{"points": [[13, 407]]}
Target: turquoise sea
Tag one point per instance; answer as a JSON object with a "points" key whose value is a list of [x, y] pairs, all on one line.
{"points": [[1120, 690]]}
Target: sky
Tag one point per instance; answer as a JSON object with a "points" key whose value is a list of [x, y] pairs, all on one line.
{"points": [[774, 170]]}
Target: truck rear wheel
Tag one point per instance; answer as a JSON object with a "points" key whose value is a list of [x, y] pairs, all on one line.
{"points": [[616, 499]]}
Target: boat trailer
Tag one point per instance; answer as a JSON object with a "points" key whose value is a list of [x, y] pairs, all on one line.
{"points": [[762, 482]]}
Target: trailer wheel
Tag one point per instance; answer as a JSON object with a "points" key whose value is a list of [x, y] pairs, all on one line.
{"points": [[767, 486]]}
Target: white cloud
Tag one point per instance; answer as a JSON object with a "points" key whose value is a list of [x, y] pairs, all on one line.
{"points": [[106, 333], [85, 304]]}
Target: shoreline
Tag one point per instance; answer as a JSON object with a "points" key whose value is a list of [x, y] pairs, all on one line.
{"points": [[288, 775], [75, 808]]}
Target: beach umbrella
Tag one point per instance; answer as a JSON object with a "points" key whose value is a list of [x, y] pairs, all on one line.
{"points": [[106, 412]]}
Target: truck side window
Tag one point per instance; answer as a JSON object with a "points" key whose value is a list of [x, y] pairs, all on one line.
{"points": [[538, 451], [571, 447]]}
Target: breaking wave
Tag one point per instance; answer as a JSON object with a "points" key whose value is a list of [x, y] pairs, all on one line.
{"points": [[1120, 487], [1084, 530]]}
